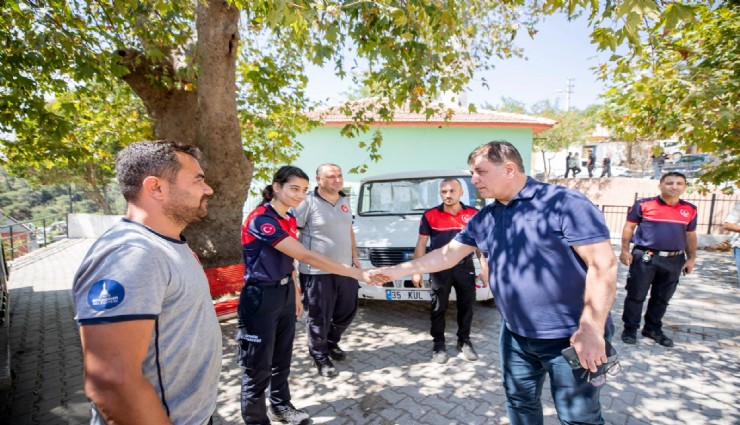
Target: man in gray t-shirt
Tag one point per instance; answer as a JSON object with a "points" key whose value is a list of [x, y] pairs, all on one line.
{"points": [[150, 337], [330, 300]]}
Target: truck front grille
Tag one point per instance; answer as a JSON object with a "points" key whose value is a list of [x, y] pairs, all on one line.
{"points": [[381, 257]]}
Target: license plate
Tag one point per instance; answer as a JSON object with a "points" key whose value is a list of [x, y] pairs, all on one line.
{"points": [[406, 295]]}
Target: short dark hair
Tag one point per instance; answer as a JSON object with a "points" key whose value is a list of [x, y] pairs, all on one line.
{"points": [[498, 152], [450, 180], [282, 175], [140, 160], [672, 174]]}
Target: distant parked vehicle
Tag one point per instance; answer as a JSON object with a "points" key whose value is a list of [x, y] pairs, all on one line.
{"points": [[57, 230], [689, 165], [672, 148]]}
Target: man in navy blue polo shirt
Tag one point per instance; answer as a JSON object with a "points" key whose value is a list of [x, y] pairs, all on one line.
{"points": [[553, 274], [438, 226], [664, 245]]}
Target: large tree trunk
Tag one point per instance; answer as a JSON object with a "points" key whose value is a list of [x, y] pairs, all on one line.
{"points": [[228, 172], [205, 117]]}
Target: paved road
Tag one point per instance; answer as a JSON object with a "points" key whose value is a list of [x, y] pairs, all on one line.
{"points": [[388, 377]]}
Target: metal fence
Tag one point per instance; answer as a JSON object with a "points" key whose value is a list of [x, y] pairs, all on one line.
{"points": [[711, 213], [19, 239]]}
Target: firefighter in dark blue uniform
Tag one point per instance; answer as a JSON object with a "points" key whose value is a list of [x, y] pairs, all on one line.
{"points": [[440, 225], [267, 305], [664, 245]]}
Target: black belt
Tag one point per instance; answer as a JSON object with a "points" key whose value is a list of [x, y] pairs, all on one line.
{"points": [[283, 281], [659, 252]]}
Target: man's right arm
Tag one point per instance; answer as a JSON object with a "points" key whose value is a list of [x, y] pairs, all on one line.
{"points": [[113, 354], [625, 256], [440, 259], [419, 251]]}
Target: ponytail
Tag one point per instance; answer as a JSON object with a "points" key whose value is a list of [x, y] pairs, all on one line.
{"points": [[267, 194]]}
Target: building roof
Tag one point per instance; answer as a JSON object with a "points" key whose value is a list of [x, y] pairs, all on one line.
{"points": [[458, 117]]}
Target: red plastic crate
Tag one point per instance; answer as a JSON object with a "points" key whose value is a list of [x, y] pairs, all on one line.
{"points": [[222, 281]]}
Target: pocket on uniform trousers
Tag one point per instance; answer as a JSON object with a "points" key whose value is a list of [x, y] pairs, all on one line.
{"points": [[250, 300], [248, 347]]}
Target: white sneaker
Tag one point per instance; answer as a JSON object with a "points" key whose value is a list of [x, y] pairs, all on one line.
{"points": [[287, 414]]}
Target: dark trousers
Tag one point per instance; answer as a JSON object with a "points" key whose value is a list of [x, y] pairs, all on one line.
{"points": [[462, 277], [660, 277], [330, 302], [265, 346], [590, 169]]}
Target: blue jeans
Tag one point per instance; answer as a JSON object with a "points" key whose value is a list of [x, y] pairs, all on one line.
{"points": [[737, 263], [525, 362]]}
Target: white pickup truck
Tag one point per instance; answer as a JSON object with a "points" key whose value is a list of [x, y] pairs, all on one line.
{"points": [[386, 226]]}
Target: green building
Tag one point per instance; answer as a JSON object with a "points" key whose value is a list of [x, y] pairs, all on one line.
{"points": [[411, 142]]}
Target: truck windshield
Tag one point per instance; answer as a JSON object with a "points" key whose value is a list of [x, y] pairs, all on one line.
{"points": [[410, 196]]}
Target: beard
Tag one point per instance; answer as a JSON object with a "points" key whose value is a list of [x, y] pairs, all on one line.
{"points": [[181, 212]]}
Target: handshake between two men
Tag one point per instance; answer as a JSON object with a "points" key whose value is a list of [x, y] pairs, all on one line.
{"points": [[379, 276]]}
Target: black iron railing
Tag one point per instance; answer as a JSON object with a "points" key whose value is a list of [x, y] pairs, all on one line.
{"points": [[21, 238]]}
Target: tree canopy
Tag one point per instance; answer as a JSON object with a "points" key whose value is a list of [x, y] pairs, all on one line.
{"points": [[681, 79], [229, 76]]}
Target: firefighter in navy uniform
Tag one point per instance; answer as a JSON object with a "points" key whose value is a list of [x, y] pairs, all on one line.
{"points": [[438, 226], [269, 302], [663, 230]]}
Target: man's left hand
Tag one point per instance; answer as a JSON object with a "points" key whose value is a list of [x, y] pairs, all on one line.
{"points": [[688, 267], [591, 348], [298, 303]]}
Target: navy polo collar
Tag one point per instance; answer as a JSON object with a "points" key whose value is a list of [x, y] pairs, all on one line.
{"points": [[527, 192], [662, 202]]}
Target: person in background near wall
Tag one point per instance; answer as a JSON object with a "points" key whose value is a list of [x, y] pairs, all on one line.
{"points": [[567, 164], [325, 224], [657, 159], [574, 163], [732, 224], [665, 231], [151, 342], [439, 225], [269, 302], [591, 163], [606, 165]]}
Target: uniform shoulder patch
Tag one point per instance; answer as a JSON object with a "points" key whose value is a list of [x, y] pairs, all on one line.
{"points": [[105, 294]]}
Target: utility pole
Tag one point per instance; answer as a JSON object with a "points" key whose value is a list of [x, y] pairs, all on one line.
{"points": [[568, 91]]}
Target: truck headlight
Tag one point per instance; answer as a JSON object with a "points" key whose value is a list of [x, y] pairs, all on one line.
{"points": [[363, 253]]}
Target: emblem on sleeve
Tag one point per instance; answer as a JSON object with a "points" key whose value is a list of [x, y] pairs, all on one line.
{"points": [[466, 218], [105, 294], [345, 208], [267, 229]]}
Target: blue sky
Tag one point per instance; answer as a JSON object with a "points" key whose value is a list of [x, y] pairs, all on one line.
{"points": [[560, 50]]}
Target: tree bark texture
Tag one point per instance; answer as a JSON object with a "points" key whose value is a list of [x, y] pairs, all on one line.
{"points": [[207, 118], [217, 239]]}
